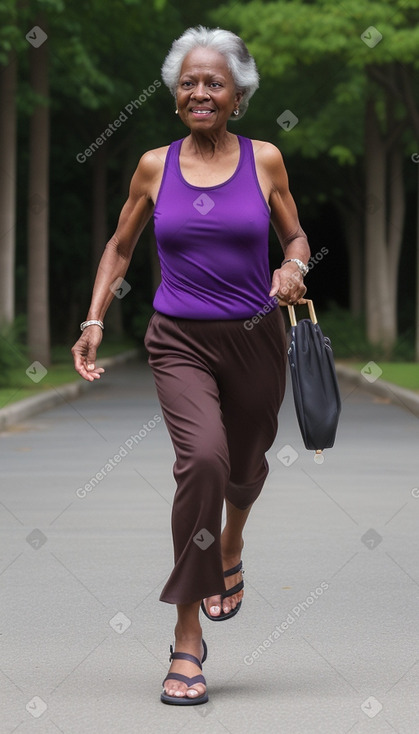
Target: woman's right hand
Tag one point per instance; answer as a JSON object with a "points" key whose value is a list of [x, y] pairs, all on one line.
{"points": [[84, 353]]}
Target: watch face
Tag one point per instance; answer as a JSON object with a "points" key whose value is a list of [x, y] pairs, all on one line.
{"points": [[301, 267]]}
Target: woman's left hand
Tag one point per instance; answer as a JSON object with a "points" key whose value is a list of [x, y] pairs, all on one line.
{"points": [[288, 284]]}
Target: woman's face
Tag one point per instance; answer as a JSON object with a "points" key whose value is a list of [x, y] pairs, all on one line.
{"points": [[206, 94]]}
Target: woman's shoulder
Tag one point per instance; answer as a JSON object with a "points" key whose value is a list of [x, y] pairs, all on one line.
{"points": [[149, 171], [153, 160], [267, 152], [150, 167]]}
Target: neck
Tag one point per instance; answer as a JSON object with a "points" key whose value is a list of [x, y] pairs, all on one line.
{"points": [[211, 143]]}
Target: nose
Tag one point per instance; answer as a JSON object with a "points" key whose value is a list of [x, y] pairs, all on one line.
{"points": [[200, 91]]}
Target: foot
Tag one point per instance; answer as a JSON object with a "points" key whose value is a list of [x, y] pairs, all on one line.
{"points": [[192, 646], [214, 604]]}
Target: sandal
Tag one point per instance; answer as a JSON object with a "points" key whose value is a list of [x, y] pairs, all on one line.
{"points": [[238, 587], [185, 700]]}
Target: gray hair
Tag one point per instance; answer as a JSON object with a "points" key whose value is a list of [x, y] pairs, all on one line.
{"points": [[240, 62]]}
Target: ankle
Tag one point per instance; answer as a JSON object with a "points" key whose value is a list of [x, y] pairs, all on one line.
{"points": [[188, 633], [231, 546]]}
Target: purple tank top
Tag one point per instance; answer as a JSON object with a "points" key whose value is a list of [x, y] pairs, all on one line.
{"points": [[212, 243]]}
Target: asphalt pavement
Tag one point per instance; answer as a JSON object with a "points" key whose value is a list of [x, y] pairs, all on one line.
{"points": [[327, 639]]}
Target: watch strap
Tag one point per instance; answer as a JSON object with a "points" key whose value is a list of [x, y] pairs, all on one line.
{"points": [[300, 265]]}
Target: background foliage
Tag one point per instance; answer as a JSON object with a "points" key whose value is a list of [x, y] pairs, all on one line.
{"points": [[312, 61]]}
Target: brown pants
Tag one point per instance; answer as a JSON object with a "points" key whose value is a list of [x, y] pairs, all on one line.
{"points": [[220, 386]]}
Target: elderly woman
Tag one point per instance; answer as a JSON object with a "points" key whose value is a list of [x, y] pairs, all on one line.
{"points": [[216, 340]]}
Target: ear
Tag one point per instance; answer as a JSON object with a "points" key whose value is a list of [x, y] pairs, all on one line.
{"points": [[238, 97]]}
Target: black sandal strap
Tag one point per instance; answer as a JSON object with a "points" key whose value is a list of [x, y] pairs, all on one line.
{"points": [[185, 679], [234, 590], [235, 569], [185, 656]]}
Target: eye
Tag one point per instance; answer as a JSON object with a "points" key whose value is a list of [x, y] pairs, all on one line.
{"points": [[215, 84], [186, 84]]}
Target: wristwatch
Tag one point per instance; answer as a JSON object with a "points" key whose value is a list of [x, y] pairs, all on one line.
{"points": [[300, 265], [90, 323]]}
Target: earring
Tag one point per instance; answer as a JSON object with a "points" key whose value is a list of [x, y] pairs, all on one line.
{"points": [[235, 112], [176, 111]]}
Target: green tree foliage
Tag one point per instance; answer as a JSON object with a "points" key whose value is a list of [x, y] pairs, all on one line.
{"points": [[105, 56], [101, 57], [332, 63]]}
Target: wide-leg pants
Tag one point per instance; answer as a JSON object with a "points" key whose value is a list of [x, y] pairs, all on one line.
{"points": [[220, 384]]}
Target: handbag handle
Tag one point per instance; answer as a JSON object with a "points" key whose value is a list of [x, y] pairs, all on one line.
{"points": [[300, 302]]}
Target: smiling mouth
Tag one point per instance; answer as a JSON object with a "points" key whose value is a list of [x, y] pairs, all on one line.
{"points": [[201, 112]]}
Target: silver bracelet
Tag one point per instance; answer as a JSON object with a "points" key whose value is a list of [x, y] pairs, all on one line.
{"points": [[90, 323]]}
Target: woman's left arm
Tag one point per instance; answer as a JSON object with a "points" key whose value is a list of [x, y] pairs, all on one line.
{"points": [[287, 281]]}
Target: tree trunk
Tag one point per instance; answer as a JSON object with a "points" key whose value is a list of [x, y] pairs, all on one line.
{"points": [[417, 271], [380, 304], [38, 292], [396, 220], [408, 86], [8, 85], [99, 218], [353, 225]]}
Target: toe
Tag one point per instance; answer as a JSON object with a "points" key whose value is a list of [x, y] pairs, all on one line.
{"points": [[194, 692], [171, 689], [179, 690], [213, 605]]}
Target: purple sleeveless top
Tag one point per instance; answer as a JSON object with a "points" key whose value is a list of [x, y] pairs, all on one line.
{"points": [[212, 243]]}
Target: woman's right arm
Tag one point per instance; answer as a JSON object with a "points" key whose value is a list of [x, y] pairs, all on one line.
{"points": [[115, 260]]}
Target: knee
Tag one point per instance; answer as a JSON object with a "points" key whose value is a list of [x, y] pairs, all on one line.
{"points": [[212, 463], [242, 491], [207, 462]]}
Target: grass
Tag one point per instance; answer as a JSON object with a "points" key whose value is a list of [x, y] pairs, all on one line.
{"points": [[59, 373], [404, 374]]}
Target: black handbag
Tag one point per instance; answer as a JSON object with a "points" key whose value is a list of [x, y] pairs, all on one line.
{"points": [[314, 382]]}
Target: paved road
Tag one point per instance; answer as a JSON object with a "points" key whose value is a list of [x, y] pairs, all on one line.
{"points": [[327, 641]]}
